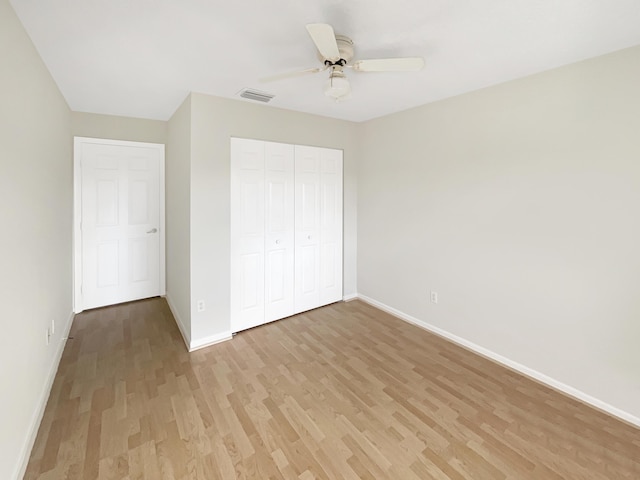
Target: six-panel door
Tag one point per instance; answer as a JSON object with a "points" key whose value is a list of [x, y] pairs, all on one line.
{"points": [[120, 220]]}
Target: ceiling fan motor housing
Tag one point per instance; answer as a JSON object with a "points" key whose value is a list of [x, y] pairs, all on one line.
{"points": [[345, 47]]}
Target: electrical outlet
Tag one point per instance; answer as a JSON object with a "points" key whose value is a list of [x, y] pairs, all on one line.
{"points": [[434, 297], [200, 305]]}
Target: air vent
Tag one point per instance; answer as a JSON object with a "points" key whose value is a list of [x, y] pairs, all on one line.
{"points": [[256, 95]]}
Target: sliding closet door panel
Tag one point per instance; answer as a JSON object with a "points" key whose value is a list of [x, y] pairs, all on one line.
{"points": [[279, 233], [330, 226], [307, 228], [247, 234]]}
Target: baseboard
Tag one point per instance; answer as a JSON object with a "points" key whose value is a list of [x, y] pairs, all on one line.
{"points": [[524, 370], [181, 326], [44, 398], [350, 297], [210, 340]]}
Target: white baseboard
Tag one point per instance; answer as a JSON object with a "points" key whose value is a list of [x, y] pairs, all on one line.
{"points": [[186, 337], [195, 344], [350, 297], [210, 340], [524, 370], [44, 398]]}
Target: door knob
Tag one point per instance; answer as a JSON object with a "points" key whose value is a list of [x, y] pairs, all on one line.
{"points": [[153, 230], [278, 242]]}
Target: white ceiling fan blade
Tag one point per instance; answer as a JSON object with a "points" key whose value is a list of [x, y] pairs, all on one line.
{"points": [[297, 73], [407, 64], [325, 40]]}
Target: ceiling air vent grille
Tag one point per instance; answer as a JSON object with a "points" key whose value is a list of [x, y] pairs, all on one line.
{"points": [[256, 95]]}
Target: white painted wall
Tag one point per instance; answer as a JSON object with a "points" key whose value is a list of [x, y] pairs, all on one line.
{"points": [[178, 224], [35, 244], [214, 120], [113, 127], [520, 205]]}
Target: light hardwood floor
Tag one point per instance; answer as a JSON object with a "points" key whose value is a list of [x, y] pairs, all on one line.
{"points": [[345, 391]]}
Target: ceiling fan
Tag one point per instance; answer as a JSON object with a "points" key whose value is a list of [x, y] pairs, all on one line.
{"points": [[336, 53]]}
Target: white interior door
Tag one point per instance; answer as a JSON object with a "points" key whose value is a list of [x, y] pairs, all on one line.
{"points": [[279, 234], [120, 221], [247, 233], [307, 228]]}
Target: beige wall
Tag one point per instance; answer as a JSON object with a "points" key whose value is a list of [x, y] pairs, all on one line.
{"points": [[118, 128], [214, 121], [35, 244], [519, 205], [178, 224]]}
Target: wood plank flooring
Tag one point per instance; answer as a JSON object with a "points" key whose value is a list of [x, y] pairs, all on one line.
{"points": [[345, 391]]}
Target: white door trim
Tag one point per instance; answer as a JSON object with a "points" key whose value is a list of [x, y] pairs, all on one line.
{"points": [[77, 212]]}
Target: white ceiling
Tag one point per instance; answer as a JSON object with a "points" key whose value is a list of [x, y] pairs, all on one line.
{"points": [[140, 58]]}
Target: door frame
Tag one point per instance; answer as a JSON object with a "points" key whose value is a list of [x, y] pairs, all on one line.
{"points": [[77, 212]]}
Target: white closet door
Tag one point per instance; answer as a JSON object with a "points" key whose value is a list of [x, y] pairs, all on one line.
{"points": [[247, 233], [307, 228], [286, 230], [330, 226], [279, 216], [318, 228]]}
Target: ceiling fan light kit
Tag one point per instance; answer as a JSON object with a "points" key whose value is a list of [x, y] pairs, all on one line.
{"points": [[336, 53], [337, 86]]}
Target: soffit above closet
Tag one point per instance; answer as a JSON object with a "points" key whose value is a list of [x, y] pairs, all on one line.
{"points": [[140, 59]]}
